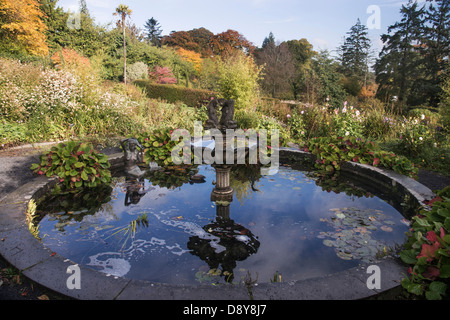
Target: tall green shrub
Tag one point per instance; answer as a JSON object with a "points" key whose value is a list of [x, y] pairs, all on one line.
{"points": [[238, 79]]}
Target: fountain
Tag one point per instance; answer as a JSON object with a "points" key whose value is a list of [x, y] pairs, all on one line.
{"points": [[222, 223]]}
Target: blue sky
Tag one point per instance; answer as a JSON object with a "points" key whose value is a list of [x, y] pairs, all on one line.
{"points": [[322, 22]]}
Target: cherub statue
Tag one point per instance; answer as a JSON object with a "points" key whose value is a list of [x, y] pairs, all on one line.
{"points": [[227, 119]]}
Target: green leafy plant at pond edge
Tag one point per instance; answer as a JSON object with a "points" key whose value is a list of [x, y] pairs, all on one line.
{"points": [[158, 146], [332, 152], [428, 250], [75, 164]]}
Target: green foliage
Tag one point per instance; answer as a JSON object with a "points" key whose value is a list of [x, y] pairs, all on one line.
{"points": [[297, 126], [270, 124], [75, 164], [332, 152], [444, 107], [11, 132], [171, 93], [158, 146], [428, 250], [238, 79], [355, 52]]}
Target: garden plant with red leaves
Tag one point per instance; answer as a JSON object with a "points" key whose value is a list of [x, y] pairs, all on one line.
{"points": [[428, 250]]}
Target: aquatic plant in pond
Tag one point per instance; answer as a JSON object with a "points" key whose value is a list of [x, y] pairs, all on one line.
{"points": [[352, 236]]}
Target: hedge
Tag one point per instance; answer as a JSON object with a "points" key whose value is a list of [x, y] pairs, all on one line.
{"points": [[172, 93]]}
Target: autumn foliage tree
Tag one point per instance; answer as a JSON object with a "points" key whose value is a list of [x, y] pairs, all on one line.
{"points": [[180, 39], [163, 75], [230, 41], [22, 29], [192, 57], [208, 44]]}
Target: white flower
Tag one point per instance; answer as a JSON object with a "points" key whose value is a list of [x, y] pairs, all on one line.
{"points": [[422, 117], [344, 110], [347, 133], [420, 138]]}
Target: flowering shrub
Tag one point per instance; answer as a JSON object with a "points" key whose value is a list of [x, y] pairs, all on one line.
{"points": [[415, 135], [52, 104], [297, 126], [136, 71], [58, 94], [347, 122], [428, 250]]}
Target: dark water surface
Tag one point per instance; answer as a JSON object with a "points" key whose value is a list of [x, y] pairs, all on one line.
{"points": [[282, 227]]}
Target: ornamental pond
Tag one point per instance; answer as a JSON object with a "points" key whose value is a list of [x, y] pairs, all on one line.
{"points": [[167, 227]]}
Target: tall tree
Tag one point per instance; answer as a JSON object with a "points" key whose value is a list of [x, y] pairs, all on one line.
{"points": [[123, 11], [435, 48], [279, 66], [268, 41], [355, 52], [202, 36], [154, 31], [56, 20], [399, 65], [180, 39], [230, 41], [302, 52], [22, 29], [324, 68]]}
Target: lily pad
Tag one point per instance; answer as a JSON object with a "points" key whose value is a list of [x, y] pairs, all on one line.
{"points": [[344, 255], [340, 215], [352, 236], [328, 243]]}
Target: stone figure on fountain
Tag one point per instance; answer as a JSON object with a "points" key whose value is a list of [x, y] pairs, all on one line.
{"points": [[227, 118], [133, 152]]}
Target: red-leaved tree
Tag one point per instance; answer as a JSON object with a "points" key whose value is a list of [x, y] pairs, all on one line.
{"points": [[163, 75]]}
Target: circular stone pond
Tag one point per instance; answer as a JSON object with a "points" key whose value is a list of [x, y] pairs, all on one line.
{"points": [[165, 228], [292, 235]]}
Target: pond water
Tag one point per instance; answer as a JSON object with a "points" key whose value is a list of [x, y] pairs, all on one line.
{"points": [[162, 228]]}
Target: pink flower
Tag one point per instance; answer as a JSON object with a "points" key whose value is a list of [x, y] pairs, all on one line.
{"points": [[288, 115]]}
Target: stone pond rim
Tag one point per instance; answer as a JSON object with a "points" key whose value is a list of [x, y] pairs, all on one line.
{"points": [[49, 269]]}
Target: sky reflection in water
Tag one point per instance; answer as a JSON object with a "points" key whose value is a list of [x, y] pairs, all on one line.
{"points": [[278, 227]]}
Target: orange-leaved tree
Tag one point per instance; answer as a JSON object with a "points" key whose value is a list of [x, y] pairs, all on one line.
{"points": [[192, 57], [229, 42], [22, 27]]}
